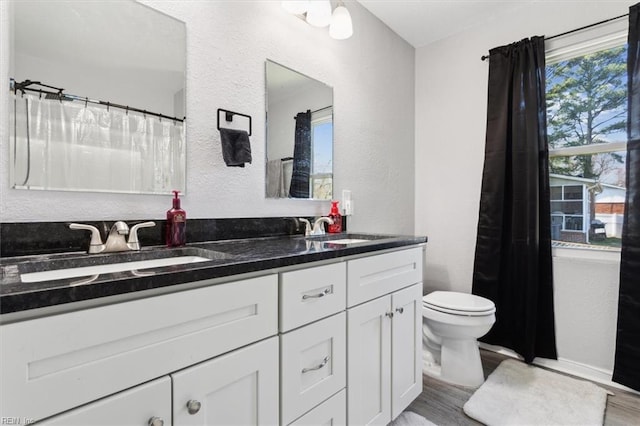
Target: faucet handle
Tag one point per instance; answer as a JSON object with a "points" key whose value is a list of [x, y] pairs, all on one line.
{"points": [[96, 240], [133, 242]]}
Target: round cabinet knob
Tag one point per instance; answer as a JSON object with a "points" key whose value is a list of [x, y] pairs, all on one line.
{"points": [[155, 421], [400, 310], [193, 406]]}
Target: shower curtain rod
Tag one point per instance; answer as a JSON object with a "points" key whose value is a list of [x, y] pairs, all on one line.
{"points": [[319, 109], [61, 96], [483, 57]]}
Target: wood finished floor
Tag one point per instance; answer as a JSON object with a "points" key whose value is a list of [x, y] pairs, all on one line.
{"points": [[442, 403]]}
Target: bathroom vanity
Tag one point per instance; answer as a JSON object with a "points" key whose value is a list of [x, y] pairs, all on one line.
{"points": [[283, 330]]}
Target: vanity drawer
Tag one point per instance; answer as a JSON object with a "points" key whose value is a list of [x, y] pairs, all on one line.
{"points": [[66, 360], [135, 406], [375, 276], [310, 294], [312, 365], [331, 412]]}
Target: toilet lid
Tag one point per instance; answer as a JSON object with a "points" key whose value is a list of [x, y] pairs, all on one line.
{"points": [[458, 303]]}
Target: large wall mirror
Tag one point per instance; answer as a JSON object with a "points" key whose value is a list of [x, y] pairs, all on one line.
{"points": [[98, 97], [299, 135]]}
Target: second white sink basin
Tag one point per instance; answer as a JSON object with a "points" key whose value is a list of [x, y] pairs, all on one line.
{"points": [[83, 271], [346, 241]]}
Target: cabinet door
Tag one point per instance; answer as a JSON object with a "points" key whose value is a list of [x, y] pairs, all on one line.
{"points": [[239, 388], [369, 363], [406, 348], [139, 406]]}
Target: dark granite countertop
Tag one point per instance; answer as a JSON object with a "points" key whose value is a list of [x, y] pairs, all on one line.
{"points": [[227, 258]]}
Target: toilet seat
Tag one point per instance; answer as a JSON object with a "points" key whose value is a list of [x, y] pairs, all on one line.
{"points": [[455, 303]]}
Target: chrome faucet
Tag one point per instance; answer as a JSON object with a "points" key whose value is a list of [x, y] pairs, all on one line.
{"points": [[115, 240], [318, 227]]}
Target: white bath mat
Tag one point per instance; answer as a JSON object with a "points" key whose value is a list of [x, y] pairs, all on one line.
{"points": [[520, 394], [409, 418]]}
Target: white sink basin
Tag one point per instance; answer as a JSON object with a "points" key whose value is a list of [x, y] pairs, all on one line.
{"points": [[83, 271], [346, 241]]}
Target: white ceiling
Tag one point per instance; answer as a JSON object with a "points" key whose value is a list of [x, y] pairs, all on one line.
{"points": [[421, 22]]}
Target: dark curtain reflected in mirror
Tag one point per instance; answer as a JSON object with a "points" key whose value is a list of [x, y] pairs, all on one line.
{"points": [[300, 178]]}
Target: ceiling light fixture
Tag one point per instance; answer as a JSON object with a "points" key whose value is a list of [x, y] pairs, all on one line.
{"points": [[318, 13]]}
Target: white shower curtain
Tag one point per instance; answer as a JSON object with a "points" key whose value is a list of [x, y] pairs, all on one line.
{"points": [[70, 145]]}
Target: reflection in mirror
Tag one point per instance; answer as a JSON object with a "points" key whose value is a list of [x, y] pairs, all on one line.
{"points": [[299, 135], [98, 97]]}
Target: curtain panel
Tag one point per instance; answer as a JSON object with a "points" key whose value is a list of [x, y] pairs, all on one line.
{"points": [[301, 175], [60, 145], [513, 250], [627, 359]]}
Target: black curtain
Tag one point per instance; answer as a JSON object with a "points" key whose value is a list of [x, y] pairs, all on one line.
{"points": [[513, 249], [627, 360], [301, 157]]}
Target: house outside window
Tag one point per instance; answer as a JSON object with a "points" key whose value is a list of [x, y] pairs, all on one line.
{"points": [[586, 85]]}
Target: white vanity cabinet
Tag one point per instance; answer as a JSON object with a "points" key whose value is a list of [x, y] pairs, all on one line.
{"points": [[384, 336], [337, 342]]}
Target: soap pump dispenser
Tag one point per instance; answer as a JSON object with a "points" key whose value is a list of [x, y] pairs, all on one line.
{"points": [[334, 214], [176, 232]]}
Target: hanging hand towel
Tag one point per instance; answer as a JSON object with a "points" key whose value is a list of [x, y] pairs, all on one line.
{"points": [[236, 148]]}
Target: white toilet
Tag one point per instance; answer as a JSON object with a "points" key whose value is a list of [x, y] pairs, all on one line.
{"points": [[451, 324]]}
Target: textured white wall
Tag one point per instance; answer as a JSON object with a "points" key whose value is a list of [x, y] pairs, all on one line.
{"points": [[227, 43], [451, 86]]}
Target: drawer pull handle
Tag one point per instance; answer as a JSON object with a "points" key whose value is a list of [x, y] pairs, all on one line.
{"points": [[155, 421], [317, 296], [193, 406], [400, 310], [319, 366]]}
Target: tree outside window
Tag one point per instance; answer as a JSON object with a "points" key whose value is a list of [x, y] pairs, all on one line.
{"points": [[586, 124]]}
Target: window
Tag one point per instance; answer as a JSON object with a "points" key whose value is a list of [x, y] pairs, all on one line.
{"points": [[322, 154], [586, 85]]}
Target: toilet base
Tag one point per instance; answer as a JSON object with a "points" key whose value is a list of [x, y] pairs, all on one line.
{"points": [[460, 364]]}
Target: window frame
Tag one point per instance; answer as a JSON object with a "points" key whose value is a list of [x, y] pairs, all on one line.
{"points": [[601, 37]]}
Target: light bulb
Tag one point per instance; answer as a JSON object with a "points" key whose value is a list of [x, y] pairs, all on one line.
{"points": [[341, 26], [319, 13]]}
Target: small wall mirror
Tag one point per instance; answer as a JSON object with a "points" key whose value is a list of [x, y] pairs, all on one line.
{"points": [[299, 135], [98, 97]]}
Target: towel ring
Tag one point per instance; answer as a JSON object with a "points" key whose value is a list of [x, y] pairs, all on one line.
{"points": [[229, 117]]}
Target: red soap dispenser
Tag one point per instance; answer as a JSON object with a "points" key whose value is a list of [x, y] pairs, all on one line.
{"points": [[335, 215], [176, 232]]}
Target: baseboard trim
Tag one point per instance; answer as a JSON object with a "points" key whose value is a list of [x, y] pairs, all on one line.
{"points": [[563, 365]]}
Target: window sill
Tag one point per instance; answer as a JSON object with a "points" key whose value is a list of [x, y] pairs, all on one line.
{"points": [[608, 254]]}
